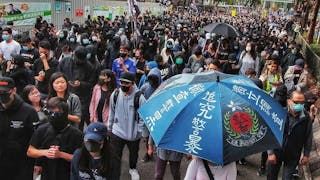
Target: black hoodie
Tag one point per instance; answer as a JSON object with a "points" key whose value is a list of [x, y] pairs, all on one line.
{"points": [[16, 129]]}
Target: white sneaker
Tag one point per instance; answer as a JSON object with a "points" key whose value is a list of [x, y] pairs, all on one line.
{"points": [[134, 174]]}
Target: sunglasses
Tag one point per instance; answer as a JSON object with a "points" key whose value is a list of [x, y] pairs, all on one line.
{"points": [[52, 113], [298, 102]]}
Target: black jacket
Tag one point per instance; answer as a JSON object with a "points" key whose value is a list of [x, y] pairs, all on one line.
{"points": [[38, 66], [297, 136], [81, 72], [16, 128]]}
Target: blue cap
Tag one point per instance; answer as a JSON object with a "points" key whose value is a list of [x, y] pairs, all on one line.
{"points": [[96, 131], [152, 64]]}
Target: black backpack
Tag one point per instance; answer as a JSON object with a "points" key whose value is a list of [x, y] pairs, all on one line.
{"points": [[136, 100]]}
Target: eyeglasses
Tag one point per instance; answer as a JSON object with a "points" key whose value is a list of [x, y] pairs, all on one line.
{"points": [[34, 94], [52, 113]]}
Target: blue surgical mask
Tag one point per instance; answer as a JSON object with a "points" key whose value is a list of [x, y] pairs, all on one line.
{"points": [[89, 56], [297, 107], [67, 55], [85, 41], [72, 40], [5, 37], [169, 46], [26, 48], [61, 36]]}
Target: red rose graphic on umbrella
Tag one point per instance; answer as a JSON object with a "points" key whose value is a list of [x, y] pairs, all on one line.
{"points": [[241, 122]]}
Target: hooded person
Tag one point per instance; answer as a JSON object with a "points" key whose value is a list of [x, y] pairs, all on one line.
{"points": [[152, 83], [19, 73], [81, 78], [16, 129], [167, 52], [296, 76], [93, 61], [112, 52], [80, 55], [148, 67], [61, 43]]}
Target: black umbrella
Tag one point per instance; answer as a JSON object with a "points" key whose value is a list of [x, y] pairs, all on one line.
{"points": [[221, 29]]}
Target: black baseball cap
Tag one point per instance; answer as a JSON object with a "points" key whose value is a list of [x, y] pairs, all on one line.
{"points": [[127, 77], [6, 84]]}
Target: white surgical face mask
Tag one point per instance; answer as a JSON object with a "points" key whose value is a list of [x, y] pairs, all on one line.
{"points": [[248, 48], [94, 38]]}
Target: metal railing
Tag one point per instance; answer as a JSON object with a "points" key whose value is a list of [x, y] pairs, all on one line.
{"points": [[312, 59]]}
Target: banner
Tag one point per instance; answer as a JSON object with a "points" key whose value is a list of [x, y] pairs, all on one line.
{"points": [[117, 8], [23, 13]]}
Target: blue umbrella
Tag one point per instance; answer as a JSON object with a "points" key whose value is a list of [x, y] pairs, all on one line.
{"points": [[214, 116]]}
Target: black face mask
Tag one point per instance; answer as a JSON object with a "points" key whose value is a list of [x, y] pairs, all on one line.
{"points": [[146, 72], [153, 81], [125, 88], [4, 98], [101, 81], [123, 55], [92, 146], [57, 119]]}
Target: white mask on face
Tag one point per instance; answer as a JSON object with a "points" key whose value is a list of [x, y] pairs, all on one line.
{"points": [[248, 48], [94, 38]]}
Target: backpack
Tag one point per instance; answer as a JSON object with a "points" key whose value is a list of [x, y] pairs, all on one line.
{"points": [[136, 100]]}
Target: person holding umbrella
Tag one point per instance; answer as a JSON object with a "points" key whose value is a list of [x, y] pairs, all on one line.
{"points": [[204, 170]]}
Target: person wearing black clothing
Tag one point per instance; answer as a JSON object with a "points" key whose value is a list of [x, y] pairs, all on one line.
{"points": [[61, 43], [28, 51], [163, 67], [290, 58], [177, 67], [297, 137], [55, 141], [84, 39], [150, 46], [18, 72], [81, 79], [44, 67], [112, 52], [140, 64], [38, 23], [13, 10], [93, 61], [72, 42], [224, 51], [93, 159], [16, 128]]}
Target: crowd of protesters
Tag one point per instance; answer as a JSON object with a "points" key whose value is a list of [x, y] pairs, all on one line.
{"points": [[98, 73]]}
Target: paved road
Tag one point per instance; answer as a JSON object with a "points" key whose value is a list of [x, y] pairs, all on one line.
{"points": [[146, 170]]}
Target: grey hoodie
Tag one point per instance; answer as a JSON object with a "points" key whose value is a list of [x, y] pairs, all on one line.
{"points": [[122, 121]]}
